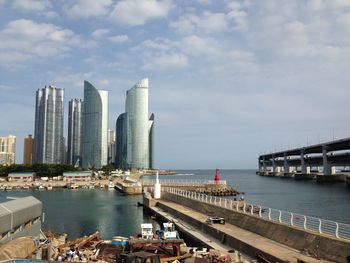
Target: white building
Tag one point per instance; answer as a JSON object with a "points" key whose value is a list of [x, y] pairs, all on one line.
{"points": [[7, 150]]}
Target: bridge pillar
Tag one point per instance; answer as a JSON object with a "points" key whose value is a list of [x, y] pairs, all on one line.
{"points": [[264, 164], [286, 164], [327, 167], [273, 164], [304, 169]]}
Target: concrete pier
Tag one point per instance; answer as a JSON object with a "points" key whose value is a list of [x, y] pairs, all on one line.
{"points": [[252, 235]]}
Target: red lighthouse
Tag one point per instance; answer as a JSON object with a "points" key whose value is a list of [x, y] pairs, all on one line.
{"points": [[217, 177]]}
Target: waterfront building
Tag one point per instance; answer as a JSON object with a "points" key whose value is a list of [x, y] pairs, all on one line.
{"points": [[21, 176], [135, 130], [20, 217], [7, 150], [48, 134], [111, 146], [75, 110], [28, 150], [77, 176], [95, 124]]}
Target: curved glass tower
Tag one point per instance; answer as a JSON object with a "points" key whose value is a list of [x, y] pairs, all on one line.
{"points": [[136, 108], [95, 127]]}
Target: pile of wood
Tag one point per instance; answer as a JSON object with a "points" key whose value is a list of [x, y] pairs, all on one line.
{"points": [[79, 250]]}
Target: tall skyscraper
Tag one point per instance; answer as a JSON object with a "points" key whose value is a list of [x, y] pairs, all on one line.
{"points": [[138, 128], [7, 150], [121, 141], [75, 109], [28, 150], [111, 146], [95, 125], [48, 134]]}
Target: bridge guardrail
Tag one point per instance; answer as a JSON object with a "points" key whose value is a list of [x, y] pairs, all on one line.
{"points": [[173, 182], [313, 224]]}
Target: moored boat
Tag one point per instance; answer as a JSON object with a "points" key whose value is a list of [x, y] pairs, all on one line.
{"points": [[111, 185]]}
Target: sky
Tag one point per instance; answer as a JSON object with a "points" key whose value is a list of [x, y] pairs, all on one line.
{"points": [[229, 80]]}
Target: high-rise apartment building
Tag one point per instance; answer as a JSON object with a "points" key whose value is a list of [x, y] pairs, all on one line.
{"points": [[111, 146], [7, 150], [95, 126], [138, 128], [28, 150], [48, 134], [75, 112]]}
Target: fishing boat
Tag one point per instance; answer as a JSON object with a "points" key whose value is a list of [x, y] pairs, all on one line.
{"points": [[25, 187], [111, 185], [8, 188], [49, 187], [41, 187], [73, 186], [155, 245]]}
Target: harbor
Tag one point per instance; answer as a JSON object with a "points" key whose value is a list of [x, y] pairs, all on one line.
{"points": [[109, 224]]}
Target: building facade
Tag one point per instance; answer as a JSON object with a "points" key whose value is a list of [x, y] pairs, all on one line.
{"points": [[138, 129], [121, 141], [95, 126], [28, 150], [75, 111], [111, 146], [7, 150], [48, 132]]}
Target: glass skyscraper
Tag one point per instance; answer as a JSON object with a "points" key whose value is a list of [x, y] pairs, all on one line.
{"points": [[75, 109], [134, 130], [95, 126], [48, 132]]}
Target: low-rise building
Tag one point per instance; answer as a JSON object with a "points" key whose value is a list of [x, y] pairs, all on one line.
{"points": [[77, 176], [21, 176], [20, 217]]}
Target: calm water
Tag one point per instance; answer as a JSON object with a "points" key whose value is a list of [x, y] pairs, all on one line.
{"points": [[328, 201], [82, 212]]}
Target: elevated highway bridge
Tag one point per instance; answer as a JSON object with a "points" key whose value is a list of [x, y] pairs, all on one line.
{"points": [[325, 157]]}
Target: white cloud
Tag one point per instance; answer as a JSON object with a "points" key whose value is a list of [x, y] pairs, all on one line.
{"points": [[88, 8], [138, 12], [207, 22], [101, 32], [164, 61], [119, 38], [31, 5], [25, 39]]}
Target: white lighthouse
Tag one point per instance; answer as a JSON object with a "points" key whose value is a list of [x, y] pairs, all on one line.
{"points": [[157, 185]]}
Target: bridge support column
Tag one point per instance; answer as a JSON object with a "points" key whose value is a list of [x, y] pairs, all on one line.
{"points": [[304, 169], [286, 164], [273, 164], [327, 168]]}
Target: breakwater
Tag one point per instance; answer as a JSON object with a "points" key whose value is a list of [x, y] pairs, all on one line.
{"points": [[312, 245]]}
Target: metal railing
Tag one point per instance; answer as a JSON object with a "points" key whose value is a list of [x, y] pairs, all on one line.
{"points": [[173, 182], [313, 224]]}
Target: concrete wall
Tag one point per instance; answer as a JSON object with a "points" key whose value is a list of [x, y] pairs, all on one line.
{"points": [[318, 245]]}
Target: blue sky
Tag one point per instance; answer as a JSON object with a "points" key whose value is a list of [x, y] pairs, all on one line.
{"points": [[229, 80]]}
